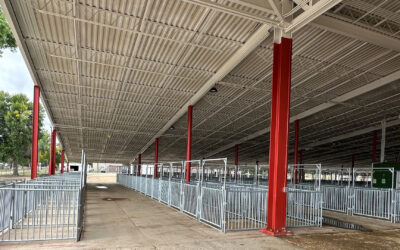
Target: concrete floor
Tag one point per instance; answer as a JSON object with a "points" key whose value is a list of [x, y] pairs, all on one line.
{"points": [[131, 220]]}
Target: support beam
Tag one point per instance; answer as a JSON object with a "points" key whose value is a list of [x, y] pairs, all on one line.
{"points": [[54, 153], [35, 131], [278, 154], [374, 141], [310, 14], [156, 158], [67, 166], [189, 143], [357, 32], [302, 174], [52, 161], [296, 149], [383, 140], [139, 164], [236, 160], [351, 134], [353, 160], [62, 161], [335, 101]]}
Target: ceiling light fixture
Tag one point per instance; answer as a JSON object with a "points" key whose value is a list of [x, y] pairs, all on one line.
{"points": [[172, 128], [213, 90]]}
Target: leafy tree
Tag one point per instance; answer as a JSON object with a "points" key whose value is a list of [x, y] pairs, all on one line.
{"points": [[44, 150], [16, 129], [58, 156], [7, 39]]}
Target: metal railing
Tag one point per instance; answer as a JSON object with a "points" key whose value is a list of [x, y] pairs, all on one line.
{"points": [[396, 205], [352, 192], [224, 205], [45, 208], [373, 202], [335, 198], [246, 208], [304, 208]]}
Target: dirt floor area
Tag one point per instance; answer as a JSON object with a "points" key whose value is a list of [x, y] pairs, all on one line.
{"points": [[117, 217]]}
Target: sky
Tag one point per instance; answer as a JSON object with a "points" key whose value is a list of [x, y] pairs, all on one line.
{"points": [[15, 77]]}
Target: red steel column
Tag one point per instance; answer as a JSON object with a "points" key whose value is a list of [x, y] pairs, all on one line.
{"points": [[156, 159], [139, 163], [52, 162], [374, 146], [302, 174], [67, 166], [353, 159], [236, 160], [296, 149], [189, 143], [35, 131], [51, 154], [280, 108], [53, 170], [62, 161]]}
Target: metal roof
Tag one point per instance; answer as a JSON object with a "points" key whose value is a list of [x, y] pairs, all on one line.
{"points": [[115, 75]]}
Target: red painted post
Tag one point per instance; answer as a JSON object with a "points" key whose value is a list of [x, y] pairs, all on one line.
{"points": [[62, 161], [189, 143], [375, 138], [280, 108], [296, 149], [302, 174], [156, 159], [67, 166], [35, 131], [139, 163], [53, 154], [236, 160], [353, 159]]}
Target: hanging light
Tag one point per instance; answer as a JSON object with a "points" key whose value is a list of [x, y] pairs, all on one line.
{"points": [[213, 90], [172, 128]]}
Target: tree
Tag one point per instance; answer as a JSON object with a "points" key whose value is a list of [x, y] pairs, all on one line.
{"points": [[58, 156], [7, 39], [16, 129], [44, 148]]}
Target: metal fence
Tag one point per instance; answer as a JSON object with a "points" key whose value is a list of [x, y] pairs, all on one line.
{"points": [[224, 205], [45, 208], [373, 202], [335, 198], [214, 198], [396, 206], [304, 208], [352, 192], [246, 208]]}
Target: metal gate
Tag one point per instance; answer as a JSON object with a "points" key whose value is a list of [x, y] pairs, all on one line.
{"points": [[373, 202], [212, 202], [176, 194], [164, 191], [335, 198], [190, 197], [246, 208]]}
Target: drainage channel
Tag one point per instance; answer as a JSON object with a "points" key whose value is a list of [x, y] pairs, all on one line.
{"points": [[113, 199], [328, 221]]}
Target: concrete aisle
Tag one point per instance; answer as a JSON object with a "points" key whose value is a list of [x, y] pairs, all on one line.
{"points": [[131, 220]]}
